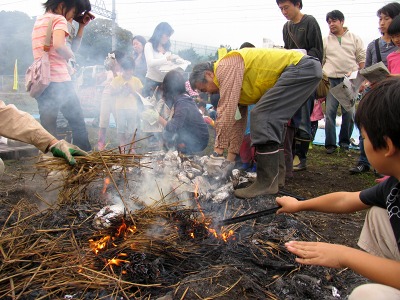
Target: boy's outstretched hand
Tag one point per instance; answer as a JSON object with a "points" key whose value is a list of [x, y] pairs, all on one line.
{"points": [[316, 253], [289, 205]]}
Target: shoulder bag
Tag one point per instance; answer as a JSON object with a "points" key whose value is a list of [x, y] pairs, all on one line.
{"points": [[37, 77], [378, 51]]}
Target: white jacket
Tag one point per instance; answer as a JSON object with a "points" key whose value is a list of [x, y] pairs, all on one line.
{"points": [[342, 58]]}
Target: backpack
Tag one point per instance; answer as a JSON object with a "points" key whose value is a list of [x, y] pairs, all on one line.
{"points": [[37, 77]]}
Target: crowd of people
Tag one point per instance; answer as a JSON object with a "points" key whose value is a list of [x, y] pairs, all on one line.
{"points": [[272, 92]]}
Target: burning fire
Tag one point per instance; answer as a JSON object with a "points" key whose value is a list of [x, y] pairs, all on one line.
{"points": [[107, 181], [99, 245], [188, 225], [117, 261], [104, 243], [225, 236]]}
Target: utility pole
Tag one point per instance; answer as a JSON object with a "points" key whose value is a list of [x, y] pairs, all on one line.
{"points": [[100, 9], [113, 34]]}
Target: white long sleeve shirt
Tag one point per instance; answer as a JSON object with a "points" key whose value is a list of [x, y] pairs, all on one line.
{"points": [[154, 60]]}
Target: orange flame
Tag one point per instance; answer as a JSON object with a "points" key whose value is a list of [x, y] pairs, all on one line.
{"points": [[106, 241], [225, 236], [99, 245], [196, 190], [107, 181], [116, 261]]}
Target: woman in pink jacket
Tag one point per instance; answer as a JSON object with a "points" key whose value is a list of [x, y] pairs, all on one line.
{"points": [[60, 95]]}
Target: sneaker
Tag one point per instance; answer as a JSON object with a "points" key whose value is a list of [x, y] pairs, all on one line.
{"points": [[360, 168], [330, 149], [301, 166]]}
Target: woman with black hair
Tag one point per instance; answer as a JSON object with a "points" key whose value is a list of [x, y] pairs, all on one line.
{"points": [[138, 43], [186, 131], [156, 52], [60, 95]]}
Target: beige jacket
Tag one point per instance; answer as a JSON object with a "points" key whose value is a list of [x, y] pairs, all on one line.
{"points": [[342, 58], [21, 126]]}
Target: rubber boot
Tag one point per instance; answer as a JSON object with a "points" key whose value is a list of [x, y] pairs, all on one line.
{"points": [[301, 152], [101, 143], [282, 168], [267, 177]]}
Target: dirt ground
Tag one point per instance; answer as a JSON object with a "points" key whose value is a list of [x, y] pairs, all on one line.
{"points": [[325, 174]]}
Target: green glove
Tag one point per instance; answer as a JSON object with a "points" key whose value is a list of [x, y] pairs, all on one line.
{"points": [[150, 116], [67, 151]]}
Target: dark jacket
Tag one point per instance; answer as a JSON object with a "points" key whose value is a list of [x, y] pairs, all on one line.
{"points": [[307, 35], [187, 126]]}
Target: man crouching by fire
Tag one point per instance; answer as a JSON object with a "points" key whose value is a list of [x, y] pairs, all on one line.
{"points": [[277, 81]]}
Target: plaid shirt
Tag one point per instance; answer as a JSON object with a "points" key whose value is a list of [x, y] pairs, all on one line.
{"points": [[229, 132]]}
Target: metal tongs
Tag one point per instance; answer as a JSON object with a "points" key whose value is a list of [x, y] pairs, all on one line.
{"points": [[259, 213]]}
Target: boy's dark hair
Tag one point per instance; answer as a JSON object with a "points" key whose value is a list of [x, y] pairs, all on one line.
{"points": [[335, 15], [173, 85], [162, 28], [246, 45], [394, 27], [378, 113], [127, 63], [390, 10], [293, 1]]}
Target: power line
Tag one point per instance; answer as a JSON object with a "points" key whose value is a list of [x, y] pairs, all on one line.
{"points": [[14, 2]]}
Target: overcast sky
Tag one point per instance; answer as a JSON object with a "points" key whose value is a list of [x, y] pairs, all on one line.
{"points": [[227, 22]]}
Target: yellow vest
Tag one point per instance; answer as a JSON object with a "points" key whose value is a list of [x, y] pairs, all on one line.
{"points": [[263, 67]]}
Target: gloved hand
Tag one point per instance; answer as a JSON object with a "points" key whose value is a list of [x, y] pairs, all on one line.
{"points": [[67, 151], [218, 166], [150, 116]]}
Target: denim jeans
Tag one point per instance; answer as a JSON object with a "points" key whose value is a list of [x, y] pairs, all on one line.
{"points": [[347, 126], [362, 159], [61, 96]]}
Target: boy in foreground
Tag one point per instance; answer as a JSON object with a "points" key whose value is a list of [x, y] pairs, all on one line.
{"points": [[378, 120]]}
